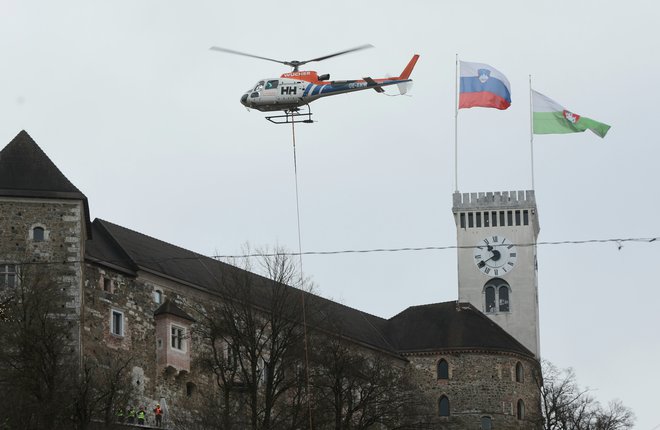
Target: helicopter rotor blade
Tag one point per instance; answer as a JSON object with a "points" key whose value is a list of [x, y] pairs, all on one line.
{"points": [[325, 57], [231, 51], [293, 63]]}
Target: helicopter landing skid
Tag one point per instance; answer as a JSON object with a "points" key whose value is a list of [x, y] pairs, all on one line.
{"points": [[292, 116]]}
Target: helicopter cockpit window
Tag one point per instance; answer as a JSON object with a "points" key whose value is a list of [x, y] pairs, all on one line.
{"points": [[272, 84], [260, 86]]}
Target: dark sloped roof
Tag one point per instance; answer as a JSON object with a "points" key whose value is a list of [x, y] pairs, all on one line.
{"points": [[130, 251], [103, 248], [26, 171], [425, 328], [169, 307], [449, 326]]}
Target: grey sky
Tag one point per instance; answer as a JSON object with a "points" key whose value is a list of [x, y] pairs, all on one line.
{"points": [[128, 101]]}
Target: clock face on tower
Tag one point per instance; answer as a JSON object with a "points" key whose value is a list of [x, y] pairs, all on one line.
{"points": [[495, 256]]}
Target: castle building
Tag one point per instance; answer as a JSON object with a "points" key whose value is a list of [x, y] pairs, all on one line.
{"points": [[476, 359]]}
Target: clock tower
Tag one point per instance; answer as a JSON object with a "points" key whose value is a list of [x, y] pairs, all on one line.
{"points": [[497, 271]]}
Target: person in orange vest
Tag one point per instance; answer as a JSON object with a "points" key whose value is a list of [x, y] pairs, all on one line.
{"points": [[141, 415], [159, 415]]}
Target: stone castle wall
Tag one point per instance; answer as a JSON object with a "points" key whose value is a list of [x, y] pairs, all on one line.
{"points": [[480, 384], [176, 382], [60, 253]]}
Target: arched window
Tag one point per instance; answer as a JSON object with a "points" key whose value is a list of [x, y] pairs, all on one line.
{"points": [[520, 372], [443, 369], [486, 423], [504, 298], [490, 299], [443, 406], [496, 295], [520, 410], [38, 234]]}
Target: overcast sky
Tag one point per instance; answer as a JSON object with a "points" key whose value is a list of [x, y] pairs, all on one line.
{"points": [[126, 98]]}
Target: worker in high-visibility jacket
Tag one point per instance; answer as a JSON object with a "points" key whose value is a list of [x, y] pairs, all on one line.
{"points": [[130, 415], [120, 415], [141, 415]]}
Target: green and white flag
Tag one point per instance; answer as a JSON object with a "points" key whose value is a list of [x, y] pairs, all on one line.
{"points": [[550, 117]]}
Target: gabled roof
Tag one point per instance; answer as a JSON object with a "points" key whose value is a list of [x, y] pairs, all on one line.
{"points": [[418, 329], [26, 171], [449, 326], [127, 250], [169, 307]]}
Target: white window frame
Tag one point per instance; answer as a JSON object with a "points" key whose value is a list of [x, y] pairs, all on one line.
{"points": [[181, 338], [158, 296], [5, 272], [122, 324]]}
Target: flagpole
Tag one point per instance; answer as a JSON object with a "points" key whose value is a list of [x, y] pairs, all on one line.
{"points": [[456, 127], [531, 128]]}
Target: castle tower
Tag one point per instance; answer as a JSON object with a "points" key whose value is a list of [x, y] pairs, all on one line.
{"points": [[44, 222], [497, 271]]}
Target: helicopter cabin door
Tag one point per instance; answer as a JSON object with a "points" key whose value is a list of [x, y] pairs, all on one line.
{"points": [[289, 92], [270, 92]]}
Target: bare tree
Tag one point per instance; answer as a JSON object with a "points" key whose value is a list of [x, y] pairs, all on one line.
{"points": [[359, 389], [566, 406], [43, 385], [102, 386], [36, 356], [254, 342]]}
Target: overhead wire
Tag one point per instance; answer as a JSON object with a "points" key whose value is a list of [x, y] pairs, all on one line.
{"points": [[617, 242], [442, 248]]}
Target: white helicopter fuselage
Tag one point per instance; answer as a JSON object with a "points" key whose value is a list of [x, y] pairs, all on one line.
{"points": [[299, 88]]}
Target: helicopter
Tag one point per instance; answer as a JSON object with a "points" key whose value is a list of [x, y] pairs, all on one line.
{"points": [[295, 89]]}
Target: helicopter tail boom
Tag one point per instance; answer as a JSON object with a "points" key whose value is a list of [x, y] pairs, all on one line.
{"points": [[409, 68]]}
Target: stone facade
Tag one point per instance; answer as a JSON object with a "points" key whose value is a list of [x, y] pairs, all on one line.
{"points": [[60, 252], [481, 384], [159, 375]]}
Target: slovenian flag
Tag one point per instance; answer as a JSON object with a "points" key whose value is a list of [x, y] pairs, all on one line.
{"points": [[483, 86], [549, 117]]}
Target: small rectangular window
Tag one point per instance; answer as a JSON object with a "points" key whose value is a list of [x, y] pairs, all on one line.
{"points": [[494, 217], [462, 217], [478, 216], [177, 338], [517, 217], [229, 354], [470, 219], [486, 219], [525, 217], [158, 296], [502, 219], [8, 275], [107, 285], [509, 218], [38, 234], [117, 323]]}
